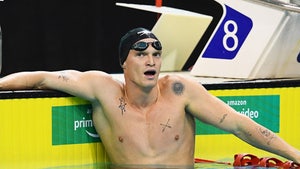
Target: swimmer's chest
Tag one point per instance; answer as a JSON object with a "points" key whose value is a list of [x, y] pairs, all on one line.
{"points": [[158, 124]]}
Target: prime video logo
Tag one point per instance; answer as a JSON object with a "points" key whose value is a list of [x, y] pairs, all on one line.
{"points": [[85, 123], [73, 125]]}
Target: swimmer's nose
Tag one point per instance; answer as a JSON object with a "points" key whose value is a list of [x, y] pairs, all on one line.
{"points": [[150, 61]]}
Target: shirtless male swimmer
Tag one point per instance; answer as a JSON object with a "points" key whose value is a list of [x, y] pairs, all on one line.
{"points": [[149, 120]]}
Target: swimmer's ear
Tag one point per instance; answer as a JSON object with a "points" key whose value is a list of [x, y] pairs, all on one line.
{"points": [[124, 65]]}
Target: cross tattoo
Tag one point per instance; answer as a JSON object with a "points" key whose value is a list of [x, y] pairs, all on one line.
{"points": [[165, 125]]}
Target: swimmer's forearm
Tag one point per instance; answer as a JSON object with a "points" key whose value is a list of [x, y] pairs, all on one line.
{"points": [[22, 81], [274, 144], [265, 139]]}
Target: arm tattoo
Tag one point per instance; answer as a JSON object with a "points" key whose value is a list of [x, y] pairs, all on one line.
{"points": [[164, 126], [267, 134], [122, 105], [63, 76], [249, 134], [178, 88], [223, 118]]}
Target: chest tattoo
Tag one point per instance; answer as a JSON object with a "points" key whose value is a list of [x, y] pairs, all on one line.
{"points": [[122, 105], [166, 125]]}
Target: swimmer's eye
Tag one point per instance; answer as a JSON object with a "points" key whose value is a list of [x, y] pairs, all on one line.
{"points": [[157, 54]]}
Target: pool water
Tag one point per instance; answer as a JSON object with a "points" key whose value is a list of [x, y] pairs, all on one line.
{"points": [[196, 166]]}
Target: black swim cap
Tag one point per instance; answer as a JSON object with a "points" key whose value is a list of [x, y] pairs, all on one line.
{"points": [[130, 38]]}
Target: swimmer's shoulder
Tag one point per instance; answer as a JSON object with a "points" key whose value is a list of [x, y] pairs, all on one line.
{"points": [[178, 79], [170, 78], [100, 77]]}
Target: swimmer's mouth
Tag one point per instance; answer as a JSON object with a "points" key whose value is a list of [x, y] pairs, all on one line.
{"points": [[150, 73]]}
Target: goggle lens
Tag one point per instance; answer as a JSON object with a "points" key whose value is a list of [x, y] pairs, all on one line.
{"points": [[140, 46]]}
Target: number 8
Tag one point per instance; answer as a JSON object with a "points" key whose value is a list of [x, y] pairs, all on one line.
{"points": [[230, 34]]}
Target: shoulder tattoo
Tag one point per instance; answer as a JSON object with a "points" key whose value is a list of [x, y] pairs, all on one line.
{"points": [[178, 88]]}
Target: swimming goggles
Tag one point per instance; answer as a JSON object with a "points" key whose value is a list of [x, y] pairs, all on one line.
{"points": [[140, 46]]}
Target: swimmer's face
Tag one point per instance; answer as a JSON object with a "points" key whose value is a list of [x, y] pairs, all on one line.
{"points": [[129, 42], [143, 66]]}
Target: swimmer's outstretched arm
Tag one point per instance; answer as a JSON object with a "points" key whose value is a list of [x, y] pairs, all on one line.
{"points": [[212, 110], [81, 84], [23, 80]]}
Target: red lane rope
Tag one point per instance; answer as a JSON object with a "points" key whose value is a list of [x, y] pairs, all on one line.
{"points": [[246, 159]]}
